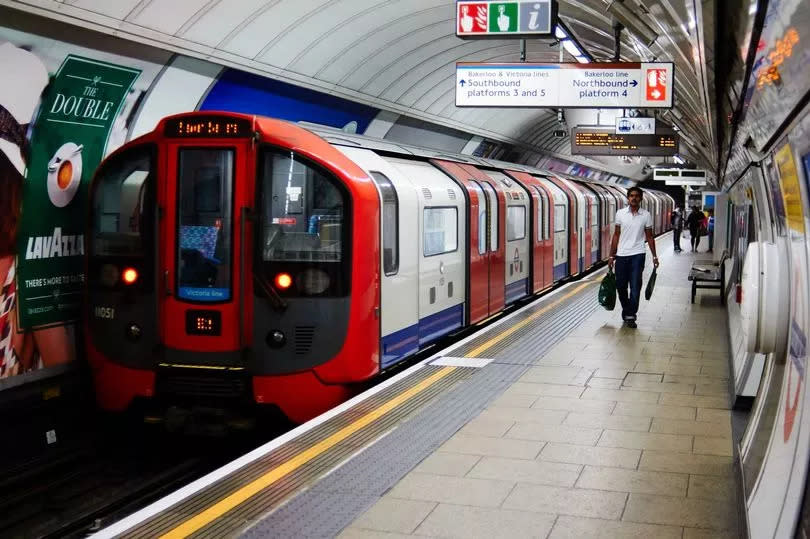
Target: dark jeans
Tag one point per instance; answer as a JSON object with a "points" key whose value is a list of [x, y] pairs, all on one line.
{"points": [[695, 239], [676, 238], [628, 271], [711, 240]]}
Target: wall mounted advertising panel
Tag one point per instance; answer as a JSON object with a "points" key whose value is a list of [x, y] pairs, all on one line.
{"points": [[603, 141], [504, 20], [569, 85]]}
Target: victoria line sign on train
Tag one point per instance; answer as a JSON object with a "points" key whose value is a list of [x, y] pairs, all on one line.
{"points": [[608, 85]]}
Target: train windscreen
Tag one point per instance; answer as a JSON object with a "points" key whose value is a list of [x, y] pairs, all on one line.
{"points": [[304, 228], [122, 214]]}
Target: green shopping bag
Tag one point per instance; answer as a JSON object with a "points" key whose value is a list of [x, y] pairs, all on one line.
{"points": [[607, 291]]}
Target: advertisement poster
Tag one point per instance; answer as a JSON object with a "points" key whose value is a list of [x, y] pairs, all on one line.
{"points": [[93, 89], [76, 114]]}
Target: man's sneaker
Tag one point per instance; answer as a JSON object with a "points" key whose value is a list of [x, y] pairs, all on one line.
{"points": [[631, 324]]}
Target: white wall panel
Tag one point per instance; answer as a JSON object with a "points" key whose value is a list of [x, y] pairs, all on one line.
{"points": [[220, 20], [117, 9], [166, 16], [179, 88], [357, 36]]}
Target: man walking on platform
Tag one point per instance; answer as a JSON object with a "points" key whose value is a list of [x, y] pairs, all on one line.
{"points": [[634, 226], [677, 228], [695, 221]]}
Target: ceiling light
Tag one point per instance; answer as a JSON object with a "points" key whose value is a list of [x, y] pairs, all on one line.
{"points": [[632, 22]]}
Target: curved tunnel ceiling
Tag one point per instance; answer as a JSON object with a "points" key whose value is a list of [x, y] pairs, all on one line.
{"points": [[400, 55]]}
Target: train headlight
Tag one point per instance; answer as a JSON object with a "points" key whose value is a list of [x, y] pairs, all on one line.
{"points": [[283, 281], [276, 339], [109, 275], [130, 275], [313, 282], [134, 331]]}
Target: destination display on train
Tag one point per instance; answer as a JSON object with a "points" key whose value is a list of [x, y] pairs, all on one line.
{"points": [[568, 85], [603, 141], [207, 127]]}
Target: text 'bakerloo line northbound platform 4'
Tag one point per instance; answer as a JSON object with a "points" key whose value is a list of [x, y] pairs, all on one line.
{"points": [[608, 85]]}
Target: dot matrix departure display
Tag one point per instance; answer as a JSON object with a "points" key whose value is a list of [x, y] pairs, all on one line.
{"points": [[604, 142], [207, 127]]}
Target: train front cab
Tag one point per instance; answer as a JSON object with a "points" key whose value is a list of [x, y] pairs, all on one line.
{"points": [[240, 290]]}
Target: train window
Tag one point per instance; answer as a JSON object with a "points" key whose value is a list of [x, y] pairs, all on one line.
{"points": [[541, 215], [482, 218], [515, 223], [205, 187], [390, 223], [493, 216], [560, 217], [440, 227], [121, 211]]}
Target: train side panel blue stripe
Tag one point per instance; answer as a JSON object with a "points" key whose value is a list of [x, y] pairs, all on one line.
{"points": [[406, 342], [434, 326], [516, 290], [399, 345], [561, 271]]}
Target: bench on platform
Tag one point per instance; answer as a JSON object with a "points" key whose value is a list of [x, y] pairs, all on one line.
{"points": [[709, 274]]}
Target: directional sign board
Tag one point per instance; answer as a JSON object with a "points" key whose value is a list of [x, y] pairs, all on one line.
{"points": [[638, 126], [603, 141], [570, 85], [503, 20], [680, 176]]}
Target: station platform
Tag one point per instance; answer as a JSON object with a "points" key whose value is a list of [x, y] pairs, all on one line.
{"points": [[555, 422]]}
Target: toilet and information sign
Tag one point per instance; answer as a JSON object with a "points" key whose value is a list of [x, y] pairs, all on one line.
{"points": [[565, 85]]}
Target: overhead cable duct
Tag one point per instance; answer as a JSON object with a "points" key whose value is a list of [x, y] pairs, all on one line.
{"points": [[632, 22]]}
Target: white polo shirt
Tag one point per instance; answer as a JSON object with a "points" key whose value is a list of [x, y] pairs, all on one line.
{"points": [[632, 238]]}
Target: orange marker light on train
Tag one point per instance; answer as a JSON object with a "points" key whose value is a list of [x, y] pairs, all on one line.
{"points": [[283, 281], [130, 275]]}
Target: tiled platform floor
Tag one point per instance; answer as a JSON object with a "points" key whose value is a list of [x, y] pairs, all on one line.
{"points": [[614, 433]]}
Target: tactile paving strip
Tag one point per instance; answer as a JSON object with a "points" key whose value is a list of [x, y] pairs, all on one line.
{"points": [[306, 474], [337, 499], [585, 299]]}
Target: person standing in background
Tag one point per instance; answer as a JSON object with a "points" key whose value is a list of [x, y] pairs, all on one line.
{"points": [[677, 228], [710, 229], [634, 227], [694, 221]]}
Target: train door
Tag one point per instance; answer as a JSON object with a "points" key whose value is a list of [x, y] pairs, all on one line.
{"points": [[541, 244], [543, 235], [496, 234], [613, 206], [516, 272], [560, 222], [593, 245], [399, 294], [478, 254], [442, 234], [601, 219], [581, 213], [210, 186], [571, 225]]}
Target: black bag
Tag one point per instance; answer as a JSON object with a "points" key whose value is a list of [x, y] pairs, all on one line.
{"points": [[607, 291], [650, 285]]}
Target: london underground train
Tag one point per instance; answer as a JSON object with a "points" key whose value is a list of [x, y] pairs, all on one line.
{"points": [[243, 260]]}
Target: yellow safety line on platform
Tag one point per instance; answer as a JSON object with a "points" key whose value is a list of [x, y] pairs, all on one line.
{"points": [[501, 336], [254, 487]]}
